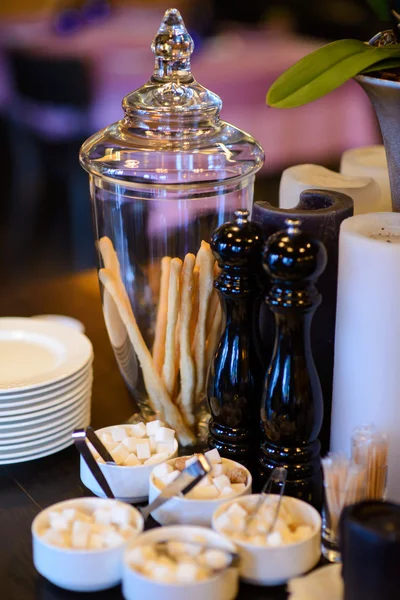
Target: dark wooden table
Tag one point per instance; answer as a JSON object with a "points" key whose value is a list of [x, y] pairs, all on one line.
{"points": [[27, 488]]}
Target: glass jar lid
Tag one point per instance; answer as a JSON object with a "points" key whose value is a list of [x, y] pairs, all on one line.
{"points": [[171, 132]]}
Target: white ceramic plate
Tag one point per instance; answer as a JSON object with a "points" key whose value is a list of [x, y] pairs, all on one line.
{"points": [[34, 451], [46, 389], [36, 426], [49, 436], [34, 352], [24, 414], [40, 401]]}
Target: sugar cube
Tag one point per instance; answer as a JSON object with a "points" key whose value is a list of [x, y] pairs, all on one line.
{"points": [[120, 514], [172, 476], [118, 434], [137, 556], [55, 538], [221, 481], [274, 539], [107, 439], [127, 531], [207, 492], [102, 516], [130, 443], [186, 573], [226, 492], [160, 483], [119, 454], [213, 456], [153, 426], [153, 445], [95, 541], [156, 458], [80, 534], [207, 480], [138, 430], [238, 488], [162, 573], [162, 470], [224, 522], [143, 449], [131, 460], [218, 469], [216, 559], [167, 447], [164, 434], [58, 522], [69, 513], [113, 538], [235, 510]]}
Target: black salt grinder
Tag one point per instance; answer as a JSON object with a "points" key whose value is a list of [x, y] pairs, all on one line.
{"points": [[235, 375], [292, 403]]}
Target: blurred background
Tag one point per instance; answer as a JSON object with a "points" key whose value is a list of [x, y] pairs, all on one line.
{"points": [[65, 66]]}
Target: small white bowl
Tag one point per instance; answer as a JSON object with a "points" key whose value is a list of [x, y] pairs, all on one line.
{"points": [[128, 484], [222, 586], [266, 565], [79, 570], [187, 511]]}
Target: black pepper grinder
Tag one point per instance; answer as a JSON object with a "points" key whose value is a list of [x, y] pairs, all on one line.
{"points": [[292, 403], [235, 375]]}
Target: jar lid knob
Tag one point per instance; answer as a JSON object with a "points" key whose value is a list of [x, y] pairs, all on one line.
{"points": [[172, 47]]}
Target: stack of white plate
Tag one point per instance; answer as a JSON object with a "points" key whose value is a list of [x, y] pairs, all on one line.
{"points": [[45, 387]]}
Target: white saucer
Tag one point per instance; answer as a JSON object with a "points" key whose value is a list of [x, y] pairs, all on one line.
{"points": [[27, 453], [34, 353], [25, 414], [46, 389], [38, 402], [31, 442], [39, 427]]}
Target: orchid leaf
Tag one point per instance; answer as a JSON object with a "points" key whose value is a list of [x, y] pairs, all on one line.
{"points": [[384, 65], [326, 69]]}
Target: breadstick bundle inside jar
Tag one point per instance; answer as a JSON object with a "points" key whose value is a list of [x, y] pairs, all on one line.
{"points": [[161, 180]]}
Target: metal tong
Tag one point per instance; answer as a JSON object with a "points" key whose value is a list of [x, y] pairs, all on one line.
{"points": [[80, 437], [278, 477], [186, 481]]}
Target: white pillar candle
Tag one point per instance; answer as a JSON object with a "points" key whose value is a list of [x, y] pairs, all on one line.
{"points": [[369, 161], [366, 386], [364, 191]]}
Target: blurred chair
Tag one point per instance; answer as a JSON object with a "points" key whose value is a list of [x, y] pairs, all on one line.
{"points": [[50, 112]]}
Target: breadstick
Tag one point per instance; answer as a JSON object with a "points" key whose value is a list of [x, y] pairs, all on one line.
{"points": [[186, 363], [205, 261], [169, 367], [214, 336], [159, 399], [161, 322], [109, 256], [195, 304]]}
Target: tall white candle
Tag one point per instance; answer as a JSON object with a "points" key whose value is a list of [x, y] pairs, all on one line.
{"points": [[364, 191], [366, 387], [369, 161]]}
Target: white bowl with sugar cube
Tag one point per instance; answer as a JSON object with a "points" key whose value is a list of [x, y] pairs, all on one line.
{"points": [[78, 544], [136, 449], [199, 566], [228, 479], [291, 549]]}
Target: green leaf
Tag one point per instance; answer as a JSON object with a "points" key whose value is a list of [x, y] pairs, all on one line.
{"points": [[380, 8], [384, 65], [324, 70]]}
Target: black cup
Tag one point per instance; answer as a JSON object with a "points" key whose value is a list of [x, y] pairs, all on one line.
{"points": [[370, 547]]}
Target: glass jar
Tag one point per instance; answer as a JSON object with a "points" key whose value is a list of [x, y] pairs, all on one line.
{"points": [[161, 180]]}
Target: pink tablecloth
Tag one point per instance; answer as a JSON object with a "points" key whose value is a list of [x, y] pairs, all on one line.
{"points": [[239, 66]]}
